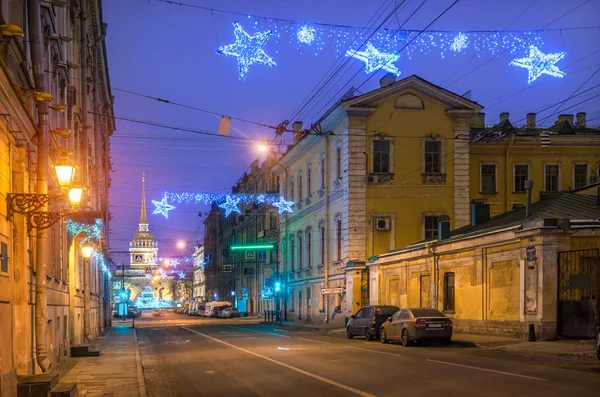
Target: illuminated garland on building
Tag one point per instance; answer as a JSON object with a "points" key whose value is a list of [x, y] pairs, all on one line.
{"points": [[101, 260], [94, 232], [228, 202]]}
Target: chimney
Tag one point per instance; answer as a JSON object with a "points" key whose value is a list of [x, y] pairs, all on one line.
{"points": [[480, 211], [387, 80], [477, 121], [504, 116], [530, 120], [566, 117], [297, 128], [580, 119], [528, 188], [443, 227]]}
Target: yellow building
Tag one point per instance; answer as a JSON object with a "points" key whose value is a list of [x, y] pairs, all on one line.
{"points": [[500, 276], [567, 158], [372, 177]]}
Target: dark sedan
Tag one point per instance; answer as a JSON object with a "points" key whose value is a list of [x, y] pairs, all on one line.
{"points": [[411, 325], [366, 321]]}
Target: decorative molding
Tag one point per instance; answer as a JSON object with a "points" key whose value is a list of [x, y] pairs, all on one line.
{"points": [[337, 183], [321, 192], [338, 217], [307, 271], [338, 266], [433, 179], [321, 269], [321, 223], [307, 211], [307, 200], [335, 196]]}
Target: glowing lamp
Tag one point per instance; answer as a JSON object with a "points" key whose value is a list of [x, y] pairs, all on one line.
{"points": [[86, 250], [75, 197], [262, 147], [65, 174]]}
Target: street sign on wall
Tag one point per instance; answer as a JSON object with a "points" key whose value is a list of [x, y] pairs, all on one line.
{"points": [[227, 268], [262, 255], [207, 258], [336, 290], [250, 254], [148, 270], [138, 258], [530, 252]]}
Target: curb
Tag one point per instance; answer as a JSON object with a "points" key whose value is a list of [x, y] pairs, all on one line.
{"points": [[139, 367], [465, 343]]}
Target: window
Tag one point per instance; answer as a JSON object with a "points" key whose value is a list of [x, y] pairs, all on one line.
{"points": [[300, 251], [338, 227], [433, 157], [299, 303], [580, 175], [292, 253], [338, 162], [430, 224], [308, 247], [299, 187], [488, 178], [448, 292], [308, 180], [551, 178], [381, 157], [308, 300], [521, 174], [292, 188], [322, 238], [272, 220]]}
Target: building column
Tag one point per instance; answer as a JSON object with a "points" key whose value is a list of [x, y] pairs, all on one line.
{"points": [[461, 171]]}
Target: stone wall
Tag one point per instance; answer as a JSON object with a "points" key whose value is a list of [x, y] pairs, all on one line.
{"points": [[514, 329]]}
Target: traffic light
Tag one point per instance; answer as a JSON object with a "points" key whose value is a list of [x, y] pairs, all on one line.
{"points": [[277, 286], [123, 295]]}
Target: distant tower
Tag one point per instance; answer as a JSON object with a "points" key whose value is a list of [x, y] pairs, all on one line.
{"points": [[143, 248]]}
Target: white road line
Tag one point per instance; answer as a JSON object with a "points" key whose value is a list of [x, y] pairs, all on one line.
{"points": [[301, 371], [259, 332], [314, 340], [487, 370], [376, 351]]}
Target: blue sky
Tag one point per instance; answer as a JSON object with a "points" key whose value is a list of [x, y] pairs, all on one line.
{"points": [[168, 51]]}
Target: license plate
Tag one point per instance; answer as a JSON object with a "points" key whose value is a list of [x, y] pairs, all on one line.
{"points": [[435, 325]]}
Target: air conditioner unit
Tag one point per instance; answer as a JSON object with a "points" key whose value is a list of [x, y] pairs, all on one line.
{"points": [[382, 224], [372, 179]]}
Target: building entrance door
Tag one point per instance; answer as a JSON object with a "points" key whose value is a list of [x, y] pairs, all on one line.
{"points": [[578, 290]]}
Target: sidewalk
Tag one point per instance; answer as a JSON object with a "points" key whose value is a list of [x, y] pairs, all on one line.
{"points": [[578, 350], [116, 372]]}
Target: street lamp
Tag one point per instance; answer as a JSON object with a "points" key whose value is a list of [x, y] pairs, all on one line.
{"points": [[75, 197], [86, 250]]}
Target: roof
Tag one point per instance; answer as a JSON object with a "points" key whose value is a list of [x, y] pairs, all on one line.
{"points": [[506, 128], [566, 205]]}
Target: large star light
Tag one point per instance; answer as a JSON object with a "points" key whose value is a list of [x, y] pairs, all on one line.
{"points": [[162, 207], [230, 205], [375, 59], [247, 49], [283, 205], [538, 63], [181, 275]]}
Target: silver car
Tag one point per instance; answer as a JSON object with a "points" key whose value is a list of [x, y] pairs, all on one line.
{"points": [[411, 325]]}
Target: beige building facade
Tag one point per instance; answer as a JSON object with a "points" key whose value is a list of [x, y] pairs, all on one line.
{"points": [[50, 297]]}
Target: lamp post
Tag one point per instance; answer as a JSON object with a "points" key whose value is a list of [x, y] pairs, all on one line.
{"points": [[86, 251]]}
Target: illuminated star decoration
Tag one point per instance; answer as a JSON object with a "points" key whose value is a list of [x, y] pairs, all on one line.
{"points": [[163, 276], [538, 63], [181, 275], [247, 49], [283, 205], [375, 59], [231, 205], [162, 207], [148, 276], [306, 34], [460, 42]]}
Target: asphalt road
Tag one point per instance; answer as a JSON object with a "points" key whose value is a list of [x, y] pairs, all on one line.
{"points": [[189, 356]]}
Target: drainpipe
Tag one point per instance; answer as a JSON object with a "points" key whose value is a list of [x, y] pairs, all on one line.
{"points": [[84, 159], [528, 188], [508, 179], [434, 271], [41, 299]]}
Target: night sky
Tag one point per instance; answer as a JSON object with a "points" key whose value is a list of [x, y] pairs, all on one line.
{"points": [[168, 51]]}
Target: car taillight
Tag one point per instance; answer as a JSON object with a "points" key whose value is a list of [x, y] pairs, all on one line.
{"points": [[420, 323], [448, 323]]}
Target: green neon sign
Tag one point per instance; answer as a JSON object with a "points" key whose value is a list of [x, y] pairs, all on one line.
{"points": [[252, 247]]}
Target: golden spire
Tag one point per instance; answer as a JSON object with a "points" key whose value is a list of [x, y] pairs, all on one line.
{"points": [[143, 219]]}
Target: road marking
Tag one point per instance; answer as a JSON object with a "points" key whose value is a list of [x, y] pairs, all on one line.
{"points": [[290, 348], [301, 371], [376, 351], [314, 340], [486, 370], [280, 330], [259, 332]]}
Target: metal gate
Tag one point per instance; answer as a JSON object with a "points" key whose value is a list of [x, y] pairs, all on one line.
{"points": [[578, 291]]}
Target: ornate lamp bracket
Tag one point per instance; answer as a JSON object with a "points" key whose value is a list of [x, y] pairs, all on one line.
{"points": [[43, 219], [26, 203]]}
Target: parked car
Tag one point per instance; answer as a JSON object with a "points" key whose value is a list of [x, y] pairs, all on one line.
{"points": [[212, 308], [411, 325], [229, 312], [367, 321]]}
